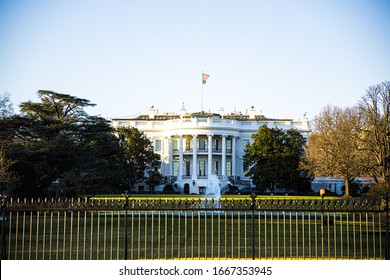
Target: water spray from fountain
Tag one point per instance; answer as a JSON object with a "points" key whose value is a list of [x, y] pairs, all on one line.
{"points": [[214, 189]]}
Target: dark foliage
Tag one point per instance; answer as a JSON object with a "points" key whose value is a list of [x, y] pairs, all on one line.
{"points": [[273, 159]]}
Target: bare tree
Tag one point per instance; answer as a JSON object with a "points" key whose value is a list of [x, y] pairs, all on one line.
{"points": [[375, 133], [332, 147], [6, 109]]}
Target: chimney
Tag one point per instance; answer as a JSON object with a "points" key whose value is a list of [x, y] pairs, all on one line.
{"points": [[152, 112], [252, 112], [183, 110], [221, 111]]}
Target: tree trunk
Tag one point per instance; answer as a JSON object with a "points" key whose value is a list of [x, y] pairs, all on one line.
{"points": [[346, 194]]}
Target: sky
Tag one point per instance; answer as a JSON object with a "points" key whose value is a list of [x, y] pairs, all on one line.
{"points": [[284, 57]]}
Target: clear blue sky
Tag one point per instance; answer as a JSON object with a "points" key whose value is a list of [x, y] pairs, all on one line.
{"points": [[283, 57]]}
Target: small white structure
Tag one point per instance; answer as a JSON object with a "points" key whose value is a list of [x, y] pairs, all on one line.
{"points": [[197, 147], [336, 185]]}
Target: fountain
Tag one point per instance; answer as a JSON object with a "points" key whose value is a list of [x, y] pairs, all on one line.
{"points": [[214, 187], [214, 190]]}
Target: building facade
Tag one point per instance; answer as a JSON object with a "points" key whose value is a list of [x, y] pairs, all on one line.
{"points": [[202, 152], [337, 185]]}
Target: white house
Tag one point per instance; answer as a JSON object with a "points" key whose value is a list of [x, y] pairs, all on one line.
{"points": [[201, 151]]}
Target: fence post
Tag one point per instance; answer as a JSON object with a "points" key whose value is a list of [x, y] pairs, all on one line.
{"points": [[3, 219], [126, 206], [253, 197], [387, 226]]}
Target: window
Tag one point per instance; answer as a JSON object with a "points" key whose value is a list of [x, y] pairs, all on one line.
{"points": [[188, 145], [229, 168], [158, 145], [216, 143], [202, 168], [175, 145], [216, 167], [229, 145], [175, 168], [202, 144], [188, 168]]}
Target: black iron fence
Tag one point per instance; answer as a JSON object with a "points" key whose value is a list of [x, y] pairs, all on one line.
{"points": [[194, 228]]}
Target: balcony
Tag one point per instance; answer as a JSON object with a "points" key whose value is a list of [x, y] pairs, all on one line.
{"points": [[202, 151]]}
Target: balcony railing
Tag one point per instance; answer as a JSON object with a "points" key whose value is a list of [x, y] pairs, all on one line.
{"points": [[202, 150]]}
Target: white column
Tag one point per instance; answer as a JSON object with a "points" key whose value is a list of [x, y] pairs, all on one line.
{"points": [[180, 173], [210, 155], [224, 157], [234, 156], [170, 156], [194, 157]]}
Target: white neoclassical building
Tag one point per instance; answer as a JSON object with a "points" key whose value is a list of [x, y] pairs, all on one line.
{"points": [[201, 150]]}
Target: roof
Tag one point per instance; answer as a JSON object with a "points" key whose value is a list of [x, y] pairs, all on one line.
{"points": [[202, 114]]}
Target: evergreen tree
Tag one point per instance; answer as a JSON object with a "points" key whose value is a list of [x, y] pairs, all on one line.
{"points": [[140, 162], [273, 159], [64, 144]]}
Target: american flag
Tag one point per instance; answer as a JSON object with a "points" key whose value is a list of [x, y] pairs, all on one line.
{"points": [[205, 77]]}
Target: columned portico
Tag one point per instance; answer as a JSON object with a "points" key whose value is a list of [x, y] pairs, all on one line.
{"points": [[193, 164]]}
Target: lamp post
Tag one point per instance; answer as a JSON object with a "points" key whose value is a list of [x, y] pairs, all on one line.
{"points": [[322, 194]]}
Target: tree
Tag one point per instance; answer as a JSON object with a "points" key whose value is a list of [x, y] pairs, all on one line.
{"points": [[7, 178], [375, 132], [153, 180], [27, 184], [56, 106], [273, 159], [96, 166], [377, 191], [6, 109], [333, 145], [64, 143], [139, 159]]}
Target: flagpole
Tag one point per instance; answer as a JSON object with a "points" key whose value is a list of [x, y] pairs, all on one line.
{"points": [[201, 105], [205, 76]]}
